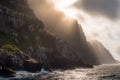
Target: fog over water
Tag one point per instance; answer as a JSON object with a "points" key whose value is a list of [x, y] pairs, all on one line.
{"points": [[100, 19]]}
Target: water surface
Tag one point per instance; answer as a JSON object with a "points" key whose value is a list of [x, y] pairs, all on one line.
{"points": [[102, 72]]}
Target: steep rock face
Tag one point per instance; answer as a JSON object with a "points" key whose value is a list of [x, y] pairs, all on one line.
{"points": [[102, 54], [80, 44], [20, 27], [76, 39], [18, 24], [66, 56], [91, 52], [87, 52]]}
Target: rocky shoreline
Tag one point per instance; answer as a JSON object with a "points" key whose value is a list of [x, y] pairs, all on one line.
{"points": [[9, 64]]}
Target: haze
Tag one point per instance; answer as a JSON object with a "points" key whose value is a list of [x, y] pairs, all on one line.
{"points": [[100, 19]]}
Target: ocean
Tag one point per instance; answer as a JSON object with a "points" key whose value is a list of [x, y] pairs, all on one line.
{"points": [[101, 72]]}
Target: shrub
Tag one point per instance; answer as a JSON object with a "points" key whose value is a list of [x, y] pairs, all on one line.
{"points": [[10, 48]]}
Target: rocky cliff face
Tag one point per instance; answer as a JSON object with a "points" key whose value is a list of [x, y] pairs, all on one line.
{"points": [[92, 52], [20, 27]]}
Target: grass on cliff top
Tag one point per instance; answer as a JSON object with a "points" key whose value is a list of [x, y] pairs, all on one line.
{"points": [[7, 43]]}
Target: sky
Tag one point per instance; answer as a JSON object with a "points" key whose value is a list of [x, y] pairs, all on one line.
{"points": [[100, 19]]}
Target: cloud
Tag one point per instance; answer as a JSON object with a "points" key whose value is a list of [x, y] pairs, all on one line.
{"points": [[118, 50], [107, 8], [105, 31]]}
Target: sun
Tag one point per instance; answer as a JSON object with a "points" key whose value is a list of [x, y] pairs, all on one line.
{"points": [[65, 6], [63, 2]]}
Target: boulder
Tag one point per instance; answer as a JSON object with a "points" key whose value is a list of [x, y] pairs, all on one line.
{"points": [[11, 61], [32, 65], [6, 72]]}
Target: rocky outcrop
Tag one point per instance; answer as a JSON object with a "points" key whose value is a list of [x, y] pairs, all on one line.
{"points": [[11, 61], [14, 61], [6, 72], [32, 65]]}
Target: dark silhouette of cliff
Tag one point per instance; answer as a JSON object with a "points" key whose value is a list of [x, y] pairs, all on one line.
{"points": [[20, 27], [102, 54]]}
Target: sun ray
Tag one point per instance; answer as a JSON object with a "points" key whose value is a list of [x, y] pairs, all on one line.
{"points": [[65, 7]]}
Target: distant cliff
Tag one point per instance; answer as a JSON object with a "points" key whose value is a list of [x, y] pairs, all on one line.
{"points": [[102, 54], [20, 27]]}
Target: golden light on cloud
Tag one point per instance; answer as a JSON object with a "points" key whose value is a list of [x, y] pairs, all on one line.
{"points": [[64, 2], [55, 15], [65, 6]]}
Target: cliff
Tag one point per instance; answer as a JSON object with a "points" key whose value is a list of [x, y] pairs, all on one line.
{"points": [[22, 34], [102, 54]]}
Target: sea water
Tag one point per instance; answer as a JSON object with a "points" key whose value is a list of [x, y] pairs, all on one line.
{"points": [[102, 72]]}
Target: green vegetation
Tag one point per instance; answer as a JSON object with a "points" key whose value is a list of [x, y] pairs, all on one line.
{"points": [[10, 48]]}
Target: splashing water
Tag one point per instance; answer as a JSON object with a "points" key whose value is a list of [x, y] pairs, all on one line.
{"points": [[102, 72]]}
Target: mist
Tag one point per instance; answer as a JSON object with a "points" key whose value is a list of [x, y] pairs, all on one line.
{"points": [[99, 28], [101, 22], [53, 19]]}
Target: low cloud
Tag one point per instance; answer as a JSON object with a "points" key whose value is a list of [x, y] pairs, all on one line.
{"points": [[106, 8]]}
